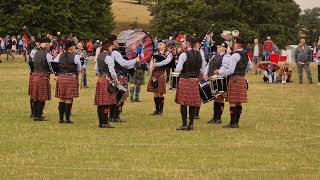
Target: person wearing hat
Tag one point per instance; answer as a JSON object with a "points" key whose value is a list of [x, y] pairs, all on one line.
{"points": [[121, 67], [40, 88], [190, 66], [104, 98], [67, 87], [237, 85], [217, 66], [157, 82], [31, 68], [198, 47]]}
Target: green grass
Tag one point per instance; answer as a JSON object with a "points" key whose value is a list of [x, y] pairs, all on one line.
{"points": [[278, 137]]}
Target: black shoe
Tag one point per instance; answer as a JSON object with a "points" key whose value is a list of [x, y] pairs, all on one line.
{"points": [[196, 117], [160, 114], [36, 119], [190, 128], [111, 119], [211, 121], [69, 122], [231, 126], [217, 121], [107, 126], [182, 128], [155, 113], [227, 126], [137, 100]]}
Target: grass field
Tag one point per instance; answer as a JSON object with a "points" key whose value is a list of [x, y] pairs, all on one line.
{"points": [[128, 12], [278, 137]]}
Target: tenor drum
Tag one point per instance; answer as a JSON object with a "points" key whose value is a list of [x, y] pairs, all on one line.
{"points": [[206, 92], [174, 79], [219, 85]]}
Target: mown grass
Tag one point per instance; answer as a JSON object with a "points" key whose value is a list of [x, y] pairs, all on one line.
{"points": [[278, 137]]}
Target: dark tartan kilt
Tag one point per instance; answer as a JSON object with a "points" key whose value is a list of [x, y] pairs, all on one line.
{"points": [[124, 82], [137, 78], [160, 74], [30, 84], [188, 93], [103, 97], [67, 86], [40, 87], [237, 90]]}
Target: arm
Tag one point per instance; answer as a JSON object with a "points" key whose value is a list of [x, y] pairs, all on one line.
{"points": [[181, 61], [77, 62], [129, 64], [110, 62], [203, 66], [49, 58], [232, 65], [164, 62], [249, 66]]}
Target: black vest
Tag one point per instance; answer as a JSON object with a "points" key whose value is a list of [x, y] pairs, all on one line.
{"points": [[103, 68], [118, 68], [66, 63], [192, 66], [215, 64], [164, 57], [242, 63], [40, 61]]}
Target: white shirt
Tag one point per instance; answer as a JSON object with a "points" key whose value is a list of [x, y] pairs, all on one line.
{"points": [[256, 52]]}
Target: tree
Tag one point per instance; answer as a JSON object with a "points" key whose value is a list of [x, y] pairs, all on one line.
{"points": [[309, 24], [253, 18], [85, 18]]}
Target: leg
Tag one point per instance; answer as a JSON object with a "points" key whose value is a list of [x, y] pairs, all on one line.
{"points": [[238, 114], [308, 72], [184, 115], [85, 78], [192, 112], [106, 123], [156, 99], [197, 113], [136, 97], [61, 108], [232, 116], [300, 73], [161, 104], [132, 90], [68, 108], [36, 110], [31, 108]]}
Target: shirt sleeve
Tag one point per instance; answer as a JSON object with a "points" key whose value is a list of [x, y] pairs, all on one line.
{"points": [[32, 54], [77, 62], [164, 62], [203, 66], [110, 62], [182, 59], [49, 58], [128, 64], [234, 59], [96, 67], [56, 59]]}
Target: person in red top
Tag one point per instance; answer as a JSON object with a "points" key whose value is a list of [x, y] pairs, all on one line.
{"points": [[89, 46], [267, 48]]}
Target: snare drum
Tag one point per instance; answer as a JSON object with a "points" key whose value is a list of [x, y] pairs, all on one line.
{"points": [[206, 92], [219, 84], [174, 78]]}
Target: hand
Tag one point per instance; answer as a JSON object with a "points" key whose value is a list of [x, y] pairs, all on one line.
{"points": [[137, 59], [216, 72], [205, 77]]}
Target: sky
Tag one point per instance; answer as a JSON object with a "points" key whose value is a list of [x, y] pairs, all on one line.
{"points": [[305, 4]]}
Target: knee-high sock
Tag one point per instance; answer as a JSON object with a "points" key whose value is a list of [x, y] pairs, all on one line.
{"points": [[31, 107], [218, 110], [233, 114], [192, 111], [184, 115], [112, 111], [156, 102], [238, 114], [138, 89], [61, 109], [68, 108], [161, 104], [132, 89], [105, 114], [36, 109], [197, 111]]}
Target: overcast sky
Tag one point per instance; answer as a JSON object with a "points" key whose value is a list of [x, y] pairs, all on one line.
{"points": [[304, 4]]}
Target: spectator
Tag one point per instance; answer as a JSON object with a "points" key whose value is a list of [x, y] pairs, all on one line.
{"points": [[318, 60], [8, 47], [14, 44], [2, 48], [89, 46], [267, 48], [270, 75], [256, 56], [303, 56]]}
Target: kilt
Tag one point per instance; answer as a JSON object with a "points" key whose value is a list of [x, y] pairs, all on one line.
{"points": [[30, 84], [67, 86], [137, 78], [103, 97], [160, 74], [188, 93], [237, 90], [40, 87]]}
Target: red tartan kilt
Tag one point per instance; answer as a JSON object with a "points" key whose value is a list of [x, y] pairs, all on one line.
{"points": [[237, 90], [67, 87], [161, 76], [40, 88], [30, 84], [188, 93], [103, 97]]}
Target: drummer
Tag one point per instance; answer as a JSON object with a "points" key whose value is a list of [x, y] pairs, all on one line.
{"points": [[215, 67]]}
